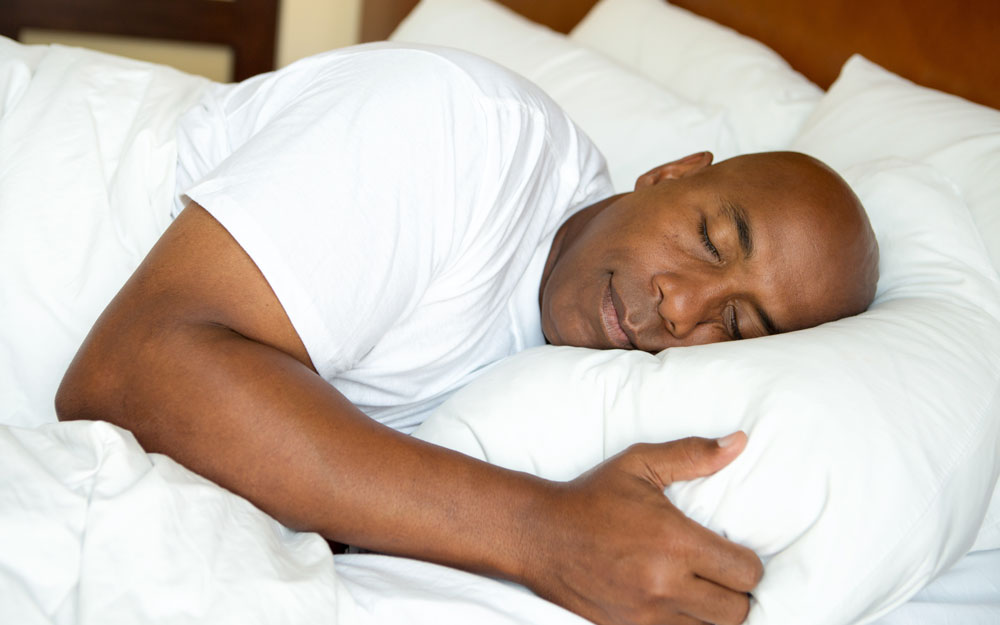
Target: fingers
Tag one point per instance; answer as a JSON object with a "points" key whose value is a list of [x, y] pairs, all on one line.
{"points": [[712, 603], [685, 459], [616, 550], [724, 562], [711, 557]]}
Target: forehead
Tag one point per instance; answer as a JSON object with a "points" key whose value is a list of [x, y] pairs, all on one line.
{"points": [[765, 182]]}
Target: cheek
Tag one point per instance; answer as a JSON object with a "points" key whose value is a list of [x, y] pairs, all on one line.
{"points": [[563, 307], [705, 334]]}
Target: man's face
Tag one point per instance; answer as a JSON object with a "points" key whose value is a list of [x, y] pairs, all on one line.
{"points": [[746, 248]]}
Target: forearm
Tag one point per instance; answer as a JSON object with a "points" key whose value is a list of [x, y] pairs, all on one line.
{"points": [[263, 425]]}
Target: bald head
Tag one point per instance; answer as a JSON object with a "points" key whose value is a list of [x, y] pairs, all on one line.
{"points": [[700, 253]]}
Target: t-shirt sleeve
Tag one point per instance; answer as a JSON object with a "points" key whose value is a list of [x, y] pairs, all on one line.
{"points": [[360, 178]]}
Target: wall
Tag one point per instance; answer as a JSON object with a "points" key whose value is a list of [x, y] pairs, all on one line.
{"points": [[309, 26], [304, 27]]}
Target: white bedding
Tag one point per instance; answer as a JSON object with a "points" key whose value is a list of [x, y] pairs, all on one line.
{"points": [[92, 529], [86, 178]]}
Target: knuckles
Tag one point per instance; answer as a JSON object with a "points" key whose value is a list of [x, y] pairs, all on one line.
{"points": [[659, 582]]}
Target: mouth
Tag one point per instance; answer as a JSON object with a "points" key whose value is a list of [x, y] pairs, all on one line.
{"points": [[611, 318]]}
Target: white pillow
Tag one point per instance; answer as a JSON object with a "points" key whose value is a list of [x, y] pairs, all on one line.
{"points": [[888, 116], [705, 62], [635, 123], [872, 440]]}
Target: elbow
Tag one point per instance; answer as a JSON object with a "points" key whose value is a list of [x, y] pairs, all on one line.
{"points": [[71, 397], [86, 389]]}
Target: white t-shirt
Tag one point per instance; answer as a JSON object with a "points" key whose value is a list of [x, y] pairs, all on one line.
{"points": [[401, 203]]}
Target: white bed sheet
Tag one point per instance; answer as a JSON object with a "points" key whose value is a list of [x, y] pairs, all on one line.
{"points": [[967, 594], [92, 529]]}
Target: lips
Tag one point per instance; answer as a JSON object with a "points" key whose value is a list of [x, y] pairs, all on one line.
{"points": [[612, 321]]}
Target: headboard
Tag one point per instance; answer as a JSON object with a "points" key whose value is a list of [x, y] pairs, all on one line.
{"points": [[246, 26], [952, 46]]}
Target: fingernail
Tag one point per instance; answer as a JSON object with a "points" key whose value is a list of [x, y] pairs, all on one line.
{"points": [[726, 441]]}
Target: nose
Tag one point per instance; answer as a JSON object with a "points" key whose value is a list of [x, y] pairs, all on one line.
{"points": [[685, 302]]}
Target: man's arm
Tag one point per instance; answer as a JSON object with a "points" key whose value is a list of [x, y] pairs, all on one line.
{"points": [[197, 358]]}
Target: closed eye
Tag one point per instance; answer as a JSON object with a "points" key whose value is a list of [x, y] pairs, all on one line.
{"points": [[732, 322], [703, 229]]}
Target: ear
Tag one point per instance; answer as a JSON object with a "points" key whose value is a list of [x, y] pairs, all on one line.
{"points": [[675, 169]]}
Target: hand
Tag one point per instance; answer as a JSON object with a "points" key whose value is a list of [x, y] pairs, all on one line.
{"points": [[612, 548]]}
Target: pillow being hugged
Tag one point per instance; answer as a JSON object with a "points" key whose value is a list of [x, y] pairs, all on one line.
{"points": [[872, 440]]}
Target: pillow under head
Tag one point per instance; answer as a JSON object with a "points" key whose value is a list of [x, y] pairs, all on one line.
{"points": [[887, 116]]}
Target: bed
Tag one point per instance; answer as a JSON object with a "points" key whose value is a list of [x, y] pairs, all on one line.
{"points": [[247, 27], [869, 484]]}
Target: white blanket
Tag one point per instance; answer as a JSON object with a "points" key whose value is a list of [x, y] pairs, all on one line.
{"points": [[87, 158], [94, 530]]}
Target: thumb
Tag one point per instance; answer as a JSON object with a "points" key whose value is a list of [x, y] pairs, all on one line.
{"points": [[690, 458]]}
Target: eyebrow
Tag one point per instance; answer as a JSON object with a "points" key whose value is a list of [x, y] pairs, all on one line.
{"points": [[738, 216]]}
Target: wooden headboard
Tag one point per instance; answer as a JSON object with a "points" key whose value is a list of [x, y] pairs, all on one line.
{"points": [[248, 27], [952, 45]]}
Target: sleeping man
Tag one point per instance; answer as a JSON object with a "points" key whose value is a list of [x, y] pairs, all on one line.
{"points": [[363, 232]]}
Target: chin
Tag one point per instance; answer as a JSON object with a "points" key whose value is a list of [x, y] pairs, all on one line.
{"points": [[565, 337]]}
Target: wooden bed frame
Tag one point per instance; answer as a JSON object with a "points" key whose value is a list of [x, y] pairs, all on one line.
{"points": [[953, 45], [950, 45], [247, 26]]}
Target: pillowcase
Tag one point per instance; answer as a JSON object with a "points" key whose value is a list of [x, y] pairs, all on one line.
{"points": [[635, 123], [887, 116], [872, 440], [766, 100]]}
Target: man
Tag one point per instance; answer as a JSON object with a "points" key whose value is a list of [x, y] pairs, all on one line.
{"points": [[369, 228]]}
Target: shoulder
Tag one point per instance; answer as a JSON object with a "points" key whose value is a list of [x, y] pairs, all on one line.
{"points": [[420, 71]]}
